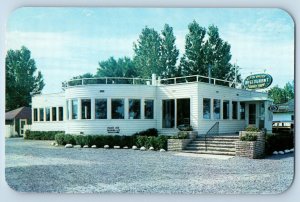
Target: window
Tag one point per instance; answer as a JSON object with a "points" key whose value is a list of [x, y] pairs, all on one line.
{"points": [[217, 109], [117, 108], [35, 114], [47, 114], [242, 110], [85, 109], [41, 114], [225, 109], [183, 111], [134, 109], [67, 109], [149, 109], [292, 117], [206, 108], [168, 113], [60, 113], [53, 113], [101, 108], [74, 109], [234, 110]]}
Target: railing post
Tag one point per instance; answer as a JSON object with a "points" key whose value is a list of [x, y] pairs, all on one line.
{"points": [[214, 81], [82, 81], [197, 78], [105, 80], [133, 81]]}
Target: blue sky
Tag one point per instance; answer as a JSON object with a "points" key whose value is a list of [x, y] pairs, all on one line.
{"points": [[66, 42]]}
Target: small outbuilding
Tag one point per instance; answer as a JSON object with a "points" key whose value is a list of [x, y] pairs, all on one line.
{"points": [[17, 121]]}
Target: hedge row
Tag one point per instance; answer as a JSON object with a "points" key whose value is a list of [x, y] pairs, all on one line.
{"points": [[41, 135], [279, 142], [149, 132], [159, 142]]}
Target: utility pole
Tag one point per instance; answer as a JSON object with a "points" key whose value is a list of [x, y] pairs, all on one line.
{"points": [[209, 73]]}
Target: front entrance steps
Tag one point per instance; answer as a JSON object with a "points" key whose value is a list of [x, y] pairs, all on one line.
{"points": [[218, 145]]}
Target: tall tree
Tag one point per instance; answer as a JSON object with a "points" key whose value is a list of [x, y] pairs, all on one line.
{"points": [[282, 95], [123, 67], [169, 53], [204, 49], [147, 53], [21, 78], [193, 60]]}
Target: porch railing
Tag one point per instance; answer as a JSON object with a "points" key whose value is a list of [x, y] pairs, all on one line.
{"points": [[214, 130]]}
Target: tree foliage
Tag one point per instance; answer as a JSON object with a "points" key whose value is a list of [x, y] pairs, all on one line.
{"points": [[21, 78], [169, 53], [204, 48], [123, 67], [84, 76], [282, 95], [147, 53]]}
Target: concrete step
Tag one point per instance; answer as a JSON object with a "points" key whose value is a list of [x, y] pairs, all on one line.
{"points": [[193, 144], [210, 149], [210, 152], [213, 142]]}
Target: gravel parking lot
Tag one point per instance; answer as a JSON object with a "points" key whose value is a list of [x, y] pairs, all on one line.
{"points": [[36, 166]]}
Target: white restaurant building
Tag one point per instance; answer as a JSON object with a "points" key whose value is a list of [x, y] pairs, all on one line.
{"points": [[124, 106]]}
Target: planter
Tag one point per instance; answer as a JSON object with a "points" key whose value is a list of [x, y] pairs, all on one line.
{"points": [[251, 149], [178, 144]]}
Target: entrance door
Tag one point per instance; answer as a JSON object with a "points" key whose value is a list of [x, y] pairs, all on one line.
{"points": [[252, 114], [183, 111], [168, 113], [23, 122]]}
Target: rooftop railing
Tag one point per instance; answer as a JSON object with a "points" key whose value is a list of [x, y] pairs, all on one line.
{"points": [[106, 80], [139, 81]]}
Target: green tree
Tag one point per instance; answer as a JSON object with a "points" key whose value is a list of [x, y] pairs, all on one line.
{"points": [[193, 61], [86, 75], [282, 95], [169, 53], [123, 67], [21, 78], [205, 48], [147, 53]]}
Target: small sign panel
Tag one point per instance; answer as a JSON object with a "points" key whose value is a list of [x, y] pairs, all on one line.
{"points": [[273, 108], [258, 81], [113, 129]]}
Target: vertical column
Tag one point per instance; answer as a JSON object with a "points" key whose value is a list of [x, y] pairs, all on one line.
{"points": [[108, 108], [247, 113], [92, 108], [238, 110], [175, 113], [221, 109], [50, 113], [79, 109], [230, 107], [70, 109], [212, 108], [126, 108], [142, 108]]}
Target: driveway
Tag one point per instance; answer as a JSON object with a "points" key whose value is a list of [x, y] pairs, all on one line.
{"points": [[36, 166]]}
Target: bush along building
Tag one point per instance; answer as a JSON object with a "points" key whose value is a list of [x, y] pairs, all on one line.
{"points": [[124, 106]]}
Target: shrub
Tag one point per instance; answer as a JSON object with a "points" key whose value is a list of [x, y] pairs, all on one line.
{"points": [[148, 132], [279, 142], [80, 140], [59, 138], [141, 141], [63, 139], [252, 129], [185, 127], [162, 142], [159, 142], [248, 137], [41, 135]]}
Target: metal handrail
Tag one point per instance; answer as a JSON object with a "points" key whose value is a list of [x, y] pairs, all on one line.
{"points": [[213, 130], [106, 80]]}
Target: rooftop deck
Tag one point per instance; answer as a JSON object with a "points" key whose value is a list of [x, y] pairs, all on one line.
{"points": [[140, 81]]}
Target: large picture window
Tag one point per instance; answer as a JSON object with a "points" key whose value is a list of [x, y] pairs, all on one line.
{"points": [[168, 113], [41, 114], [74, 104], [53, 113], [225, 109], [242, 110], [47, 114], [101, 108], [60, 113], [85, 109], [217, 109], [206, 108], [35, 114], [149, 109], [134, 109], [117, 108], [234, 110]]}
